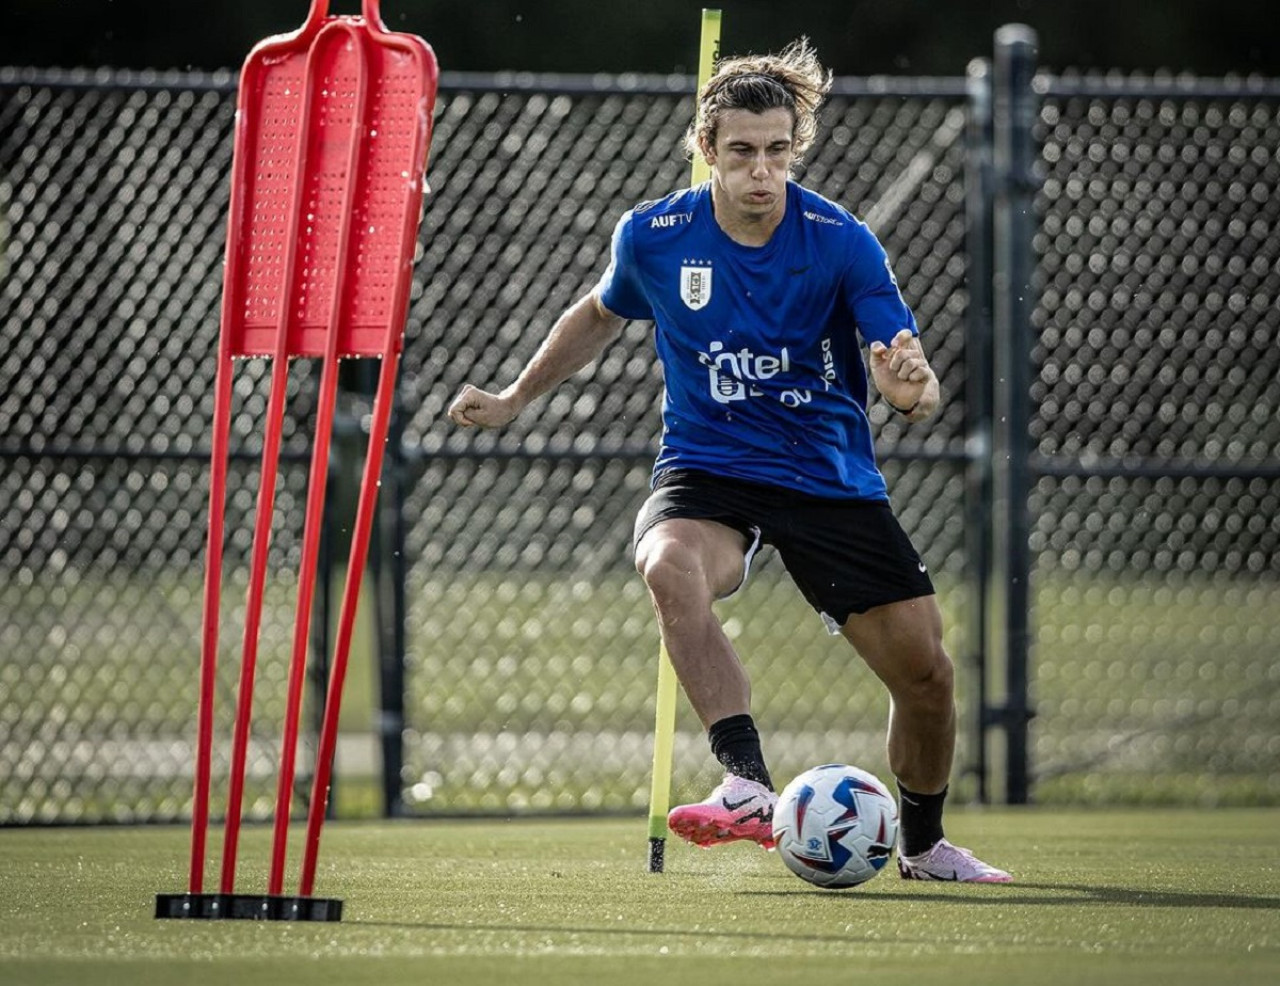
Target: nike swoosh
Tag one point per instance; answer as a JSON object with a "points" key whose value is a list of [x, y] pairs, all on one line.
{"points": [[735, 805], [923, 567], [926, 875], [798, 270]]}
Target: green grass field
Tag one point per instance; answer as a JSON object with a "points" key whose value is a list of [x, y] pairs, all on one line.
{"points": [[1132, 897]]}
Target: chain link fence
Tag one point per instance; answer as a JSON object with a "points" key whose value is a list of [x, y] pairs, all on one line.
{"points": [[530, 663], [532, 647], [113, 193], [1156, 535]]}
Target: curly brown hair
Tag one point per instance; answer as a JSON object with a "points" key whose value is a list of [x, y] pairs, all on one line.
{"points": [[793, 79]]}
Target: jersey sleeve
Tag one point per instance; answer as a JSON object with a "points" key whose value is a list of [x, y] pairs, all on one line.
{"points": [[621, 290], [871, 290]]}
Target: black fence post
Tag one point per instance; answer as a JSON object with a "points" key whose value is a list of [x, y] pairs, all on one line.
{"points": [[386, 593], [978, 407], [1016, 108], [390, 573], [322, 624]]}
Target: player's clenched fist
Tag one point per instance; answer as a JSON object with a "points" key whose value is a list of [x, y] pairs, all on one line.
{"points": [[476, 407]]}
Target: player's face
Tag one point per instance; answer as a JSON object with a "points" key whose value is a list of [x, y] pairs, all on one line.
{"points": [[751, 161]]}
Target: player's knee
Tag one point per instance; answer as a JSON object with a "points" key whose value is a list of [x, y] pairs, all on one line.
{"points": [[672, 572], [929, 681], [938, 681]]}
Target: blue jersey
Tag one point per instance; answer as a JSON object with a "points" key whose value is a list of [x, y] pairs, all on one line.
{"points": [[760, 345]]}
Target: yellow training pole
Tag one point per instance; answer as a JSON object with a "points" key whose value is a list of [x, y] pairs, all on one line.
{"points": [[664, 726]]}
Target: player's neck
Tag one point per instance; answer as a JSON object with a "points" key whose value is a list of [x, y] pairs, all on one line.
{"points": [[746, 228]]}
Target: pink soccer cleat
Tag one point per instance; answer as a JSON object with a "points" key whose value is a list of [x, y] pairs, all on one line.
{"points": [[736, 809], [947, 862]]}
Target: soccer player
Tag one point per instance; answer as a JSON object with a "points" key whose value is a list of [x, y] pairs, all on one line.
{"points": [[759, 290]]}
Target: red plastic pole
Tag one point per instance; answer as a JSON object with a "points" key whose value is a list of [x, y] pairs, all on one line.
{"points": [[253, 618], [262, 530], [347, 615], [212, 600], [320, 452], [390, 352]]}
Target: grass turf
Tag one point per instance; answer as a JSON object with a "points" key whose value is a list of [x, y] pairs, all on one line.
{"points": [[1133, 897]]}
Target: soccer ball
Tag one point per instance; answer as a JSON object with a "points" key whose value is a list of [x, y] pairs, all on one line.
{"points": [[835, 825]]}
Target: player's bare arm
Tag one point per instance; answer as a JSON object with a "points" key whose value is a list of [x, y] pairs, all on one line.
{"points": [[904, 377], [579, 336]]}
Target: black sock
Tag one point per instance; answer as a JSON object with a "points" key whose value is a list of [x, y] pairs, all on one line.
{"points": [[736, 744], [920, 821]]}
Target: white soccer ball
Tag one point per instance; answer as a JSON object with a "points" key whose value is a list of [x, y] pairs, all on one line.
{"points": [[835, 825]]}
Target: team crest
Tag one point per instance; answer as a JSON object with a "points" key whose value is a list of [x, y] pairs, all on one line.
{"points": [[695, 286]]}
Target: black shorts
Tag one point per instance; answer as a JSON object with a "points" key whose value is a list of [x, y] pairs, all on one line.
{"points": [[846, 556]]}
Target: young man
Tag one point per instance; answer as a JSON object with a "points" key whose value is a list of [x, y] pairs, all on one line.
{"points": [[759, 289]]}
